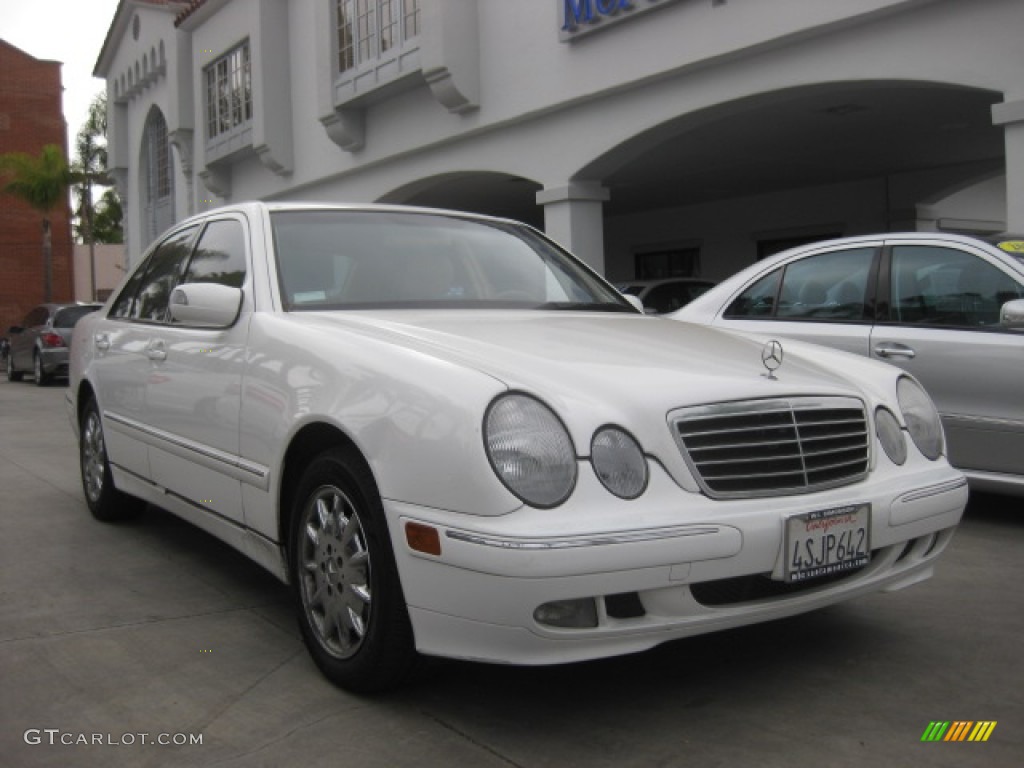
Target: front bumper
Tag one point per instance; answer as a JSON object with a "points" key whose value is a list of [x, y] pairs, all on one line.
{"points": [[683, 564]]}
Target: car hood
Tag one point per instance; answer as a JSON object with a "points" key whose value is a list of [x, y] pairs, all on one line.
{"points": [[583, 357]]}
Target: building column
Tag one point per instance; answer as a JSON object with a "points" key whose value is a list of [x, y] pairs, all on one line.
{"points": [[1010, 115], [573, 218]]}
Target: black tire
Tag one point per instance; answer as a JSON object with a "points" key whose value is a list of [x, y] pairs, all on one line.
{"points": [[42, 378], [12, 375], [351, 610], [104, 500]]}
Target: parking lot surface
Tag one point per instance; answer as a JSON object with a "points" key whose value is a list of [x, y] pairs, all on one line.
{"points": [[153, 644]]}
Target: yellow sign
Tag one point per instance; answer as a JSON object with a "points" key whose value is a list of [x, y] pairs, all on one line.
{"points": [[1012, 246]]}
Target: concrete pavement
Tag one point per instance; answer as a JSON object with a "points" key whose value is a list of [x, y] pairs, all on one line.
{"points": [[114, 638]]}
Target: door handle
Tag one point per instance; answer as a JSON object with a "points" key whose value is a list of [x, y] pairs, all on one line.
{"points": [[895, 350], [157, 351], [101, 342]]}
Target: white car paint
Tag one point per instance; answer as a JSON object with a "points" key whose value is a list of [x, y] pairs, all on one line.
{"points": [[200, 421]]}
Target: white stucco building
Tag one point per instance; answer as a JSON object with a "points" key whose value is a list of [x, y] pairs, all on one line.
{"points": [[648, 136]]}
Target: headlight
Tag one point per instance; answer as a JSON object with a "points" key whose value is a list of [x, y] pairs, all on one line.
{"points": [[619, 463], [530, 450], [890, 435], [921, 417]]}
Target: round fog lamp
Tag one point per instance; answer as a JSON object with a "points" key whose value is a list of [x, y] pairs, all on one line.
{"points": [[619, 463]]}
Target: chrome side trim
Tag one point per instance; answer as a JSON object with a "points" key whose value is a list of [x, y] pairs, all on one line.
{"points": [[625, 537], [212, 458]]}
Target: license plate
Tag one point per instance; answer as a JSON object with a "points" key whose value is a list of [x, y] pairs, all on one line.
{"points": [[827, 541]]}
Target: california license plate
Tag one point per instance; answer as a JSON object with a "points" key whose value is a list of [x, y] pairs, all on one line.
{"points": [[827, 541]]}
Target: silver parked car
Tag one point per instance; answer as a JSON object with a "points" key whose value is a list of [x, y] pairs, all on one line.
{"points": [[40, 344], [665, 294], [947, 308]]}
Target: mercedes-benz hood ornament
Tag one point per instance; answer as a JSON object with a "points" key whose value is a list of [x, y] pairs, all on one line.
{"points": [[771, 357]]}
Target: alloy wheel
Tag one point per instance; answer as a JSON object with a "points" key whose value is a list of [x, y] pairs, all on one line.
{"points": [[334, 572], [94, 460]]}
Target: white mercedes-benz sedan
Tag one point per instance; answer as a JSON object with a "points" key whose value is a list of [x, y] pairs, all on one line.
{"points": [[450, 437]]}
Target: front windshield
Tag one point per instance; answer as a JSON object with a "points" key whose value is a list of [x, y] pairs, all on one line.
{"points": [[340, 259]]}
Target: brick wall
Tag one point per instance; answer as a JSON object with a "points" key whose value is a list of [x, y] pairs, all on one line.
{"points": [[31, 116]]}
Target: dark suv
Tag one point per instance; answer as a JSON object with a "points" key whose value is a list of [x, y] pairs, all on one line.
{"points": [[40, 344]]}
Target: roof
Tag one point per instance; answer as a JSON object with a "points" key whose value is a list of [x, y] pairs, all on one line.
{"points": [[193, 6], [122, 18]]}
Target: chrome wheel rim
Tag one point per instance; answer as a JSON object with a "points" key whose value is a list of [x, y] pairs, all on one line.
{"points": [[334, 572], [94, 463], [38, 364]]}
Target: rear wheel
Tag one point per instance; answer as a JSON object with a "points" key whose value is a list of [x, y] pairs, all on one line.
{"points": [[42, 378], [12, 375], [352, 612], [104, 500]]}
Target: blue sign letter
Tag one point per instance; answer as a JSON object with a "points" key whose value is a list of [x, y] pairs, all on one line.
{"points": [[577, 11]]}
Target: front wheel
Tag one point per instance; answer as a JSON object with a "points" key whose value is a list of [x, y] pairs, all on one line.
{"points": [[352, 612], [104, 500]]}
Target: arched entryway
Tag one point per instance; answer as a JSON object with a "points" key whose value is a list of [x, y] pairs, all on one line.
{"points": [[827, 159], [157, 178], [487, 192]]}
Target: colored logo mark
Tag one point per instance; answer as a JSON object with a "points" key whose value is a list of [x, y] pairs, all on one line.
{"points": [[959, 730]]}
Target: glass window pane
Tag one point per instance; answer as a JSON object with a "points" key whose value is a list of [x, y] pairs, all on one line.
{"points": [[947, 287], [827, 286], [758, 301], [122, 307], [162, 275], [220, 255]]}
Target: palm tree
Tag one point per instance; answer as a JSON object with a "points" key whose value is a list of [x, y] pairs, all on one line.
{"points": [[107, 219], [90, 167], [43, 183]]}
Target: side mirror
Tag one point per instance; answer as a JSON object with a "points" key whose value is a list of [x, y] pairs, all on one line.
{"points": [[1011, 315], [206, 305]]}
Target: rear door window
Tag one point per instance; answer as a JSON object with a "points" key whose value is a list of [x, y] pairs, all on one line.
{"points": [[825, 287]]}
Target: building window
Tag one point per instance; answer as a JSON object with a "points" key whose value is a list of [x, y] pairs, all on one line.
{"points": [[675, 262], [158, 192], [369, 28], [229, 92]]}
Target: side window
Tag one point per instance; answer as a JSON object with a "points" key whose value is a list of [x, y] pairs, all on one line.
{"points": [[758, 301], [668, 297], [122, 307], [947, 287], [220, 255], [161, 276], [826, 286]]}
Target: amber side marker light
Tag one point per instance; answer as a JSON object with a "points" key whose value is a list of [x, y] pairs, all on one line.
{"points": [[423, 538]]}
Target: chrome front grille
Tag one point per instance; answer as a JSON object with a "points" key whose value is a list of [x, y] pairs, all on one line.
{"points": [[767, 447]]}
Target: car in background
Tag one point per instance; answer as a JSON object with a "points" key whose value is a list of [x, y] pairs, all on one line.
{"points": [[665, 294], [453, 438], [948, 309], [39, 345]]}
